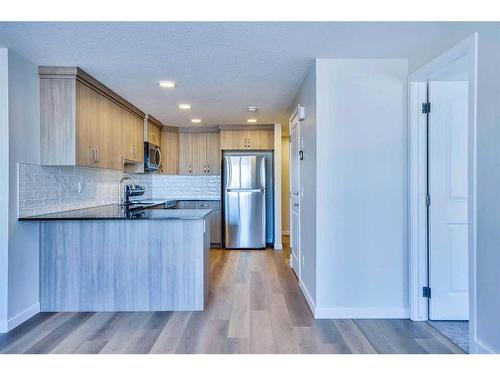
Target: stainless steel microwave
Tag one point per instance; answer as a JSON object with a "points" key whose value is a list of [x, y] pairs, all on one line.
{"points": [[152, 157]]}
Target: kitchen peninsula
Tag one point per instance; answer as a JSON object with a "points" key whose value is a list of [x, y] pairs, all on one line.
{"points": [[111, 258]]}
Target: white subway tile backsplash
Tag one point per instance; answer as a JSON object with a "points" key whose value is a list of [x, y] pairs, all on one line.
{"points": [[186, 187], [46, 189]]}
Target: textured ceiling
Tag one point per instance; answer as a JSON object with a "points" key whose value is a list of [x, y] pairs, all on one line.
{"points": [[220, 68]]}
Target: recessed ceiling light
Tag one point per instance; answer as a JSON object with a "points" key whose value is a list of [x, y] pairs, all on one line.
{"points": [[184, 106], [252, 108], [168, 84], [196, 120], [252, 120]]}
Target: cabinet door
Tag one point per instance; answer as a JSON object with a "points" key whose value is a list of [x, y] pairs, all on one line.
{"points": [[133, 137], [114, 139], [101, 131], [153, 134], [233, 139], [213, 154], [260, 140], [84, 153], [215, 227], [127, 145], [199, 156], [169, 146], [185, 154], [96, 127], [213, 220], [138, 139]]}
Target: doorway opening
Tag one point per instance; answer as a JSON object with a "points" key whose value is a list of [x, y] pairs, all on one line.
{"points": [[442, 201]]}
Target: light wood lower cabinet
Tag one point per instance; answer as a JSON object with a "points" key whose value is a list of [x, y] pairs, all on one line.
{"points": [[169, 151], [85, 123], [199, 154], [214, 219], [247, 140]]}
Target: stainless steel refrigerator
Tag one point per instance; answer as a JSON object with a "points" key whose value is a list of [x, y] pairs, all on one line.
{"points": [[244, 201]]}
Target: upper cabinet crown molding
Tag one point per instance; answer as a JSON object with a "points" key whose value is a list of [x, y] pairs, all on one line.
{"points": [[74, 72]]}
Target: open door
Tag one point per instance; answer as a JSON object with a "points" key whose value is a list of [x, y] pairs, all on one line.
{"points": [[295, 195], [448, 191]]}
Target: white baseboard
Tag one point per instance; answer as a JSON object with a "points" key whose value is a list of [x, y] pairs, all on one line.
{"points": [[308, 297], [23, 316], [361, 313], [285, 232], [482, 348], [278, 246]]}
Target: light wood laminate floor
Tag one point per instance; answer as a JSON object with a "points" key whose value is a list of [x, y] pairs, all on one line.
{"points": [[255, 306]]}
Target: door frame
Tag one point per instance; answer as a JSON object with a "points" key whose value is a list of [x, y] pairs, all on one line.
{"points": [[295, 114], [417, 181]]}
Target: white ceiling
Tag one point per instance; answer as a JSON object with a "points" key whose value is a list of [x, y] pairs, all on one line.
{"points": [[220, 68]]}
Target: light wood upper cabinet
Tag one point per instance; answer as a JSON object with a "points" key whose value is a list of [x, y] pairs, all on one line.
{"points": [[233, 139], [85, 123], [199, 153], [169, 145], [199, 157], [261, 139], [213, 158], [247, 140], [154, 131], [185, 153]]}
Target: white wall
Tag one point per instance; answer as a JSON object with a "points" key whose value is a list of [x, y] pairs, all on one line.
{"points": [[4, 193], [24, 146], [306, 97], [487, 330], [361, 188]]}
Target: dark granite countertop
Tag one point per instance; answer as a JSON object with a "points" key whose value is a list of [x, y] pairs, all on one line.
{"points": [[117, 212]]}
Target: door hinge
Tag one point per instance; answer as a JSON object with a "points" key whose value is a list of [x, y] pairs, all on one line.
{"points": [[427, 200], [426, 292], [426, 107]]}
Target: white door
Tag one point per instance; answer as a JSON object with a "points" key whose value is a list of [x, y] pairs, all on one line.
{"points": [[448, 244], [295, 195]]}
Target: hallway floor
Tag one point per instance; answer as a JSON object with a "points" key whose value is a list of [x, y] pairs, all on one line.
{"points": [[456, 330], [255, 306]]}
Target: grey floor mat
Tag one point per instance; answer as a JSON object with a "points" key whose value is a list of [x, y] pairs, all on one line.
{"points": [[456, 330]]}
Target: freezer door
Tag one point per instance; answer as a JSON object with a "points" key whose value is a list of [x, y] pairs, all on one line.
{"points": [[245, 219], [244, 172]]}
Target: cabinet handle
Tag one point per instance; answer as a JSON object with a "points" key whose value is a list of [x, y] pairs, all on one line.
{"points": [[97, 157]]}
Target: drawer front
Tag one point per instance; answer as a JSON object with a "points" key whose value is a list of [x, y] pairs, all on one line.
{"points": [[212, 205]]}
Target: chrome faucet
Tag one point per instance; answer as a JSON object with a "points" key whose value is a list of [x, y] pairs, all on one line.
{"points": [[125, 189]]}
